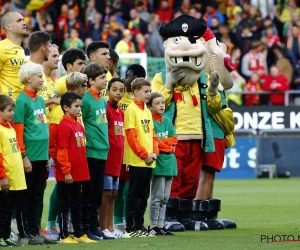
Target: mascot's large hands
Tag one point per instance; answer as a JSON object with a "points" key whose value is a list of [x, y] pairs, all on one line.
{"points": [[173, 77], [214, 82]]}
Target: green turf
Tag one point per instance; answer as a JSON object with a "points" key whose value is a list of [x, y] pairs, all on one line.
{"points": [[259, 207]]}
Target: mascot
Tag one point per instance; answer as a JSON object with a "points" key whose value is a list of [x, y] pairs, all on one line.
{"points": [[191, 96], [222, 126]]}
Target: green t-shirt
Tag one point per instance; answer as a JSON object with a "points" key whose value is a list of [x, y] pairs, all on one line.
{"points": [[95, 124], [32, 113], [166, 164]]}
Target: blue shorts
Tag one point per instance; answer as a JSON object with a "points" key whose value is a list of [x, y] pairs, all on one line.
{"points": [[111, 182]]}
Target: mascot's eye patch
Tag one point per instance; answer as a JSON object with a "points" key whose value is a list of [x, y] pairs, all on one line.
{"points": [[176, 39]]}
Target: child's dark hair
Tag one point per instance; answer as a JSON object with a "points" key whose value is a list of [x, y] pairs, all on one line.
{"points": [[153, 96], [137, 69], [138, 83], [114, 80], [6, 101], [114, 56], [68, 98], [94, 46], [94, 70], [71, 55]]}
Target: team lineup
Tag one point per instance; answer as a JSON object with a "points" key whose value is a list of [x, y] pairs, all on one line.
{"points": [[112, 142]]}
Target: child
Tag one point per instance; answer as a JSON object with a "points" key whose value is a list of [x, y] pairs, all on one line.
{"points": [[133, 71], [253, 85], [12, 178], [72, 170], [75, 82], [115, 118], [94, 117], [166, 165], [32, 130], [140, 153]]}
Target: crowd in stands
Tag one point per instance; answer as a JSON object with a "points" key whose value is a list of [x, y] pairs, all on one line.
{"points": [[258, 35]]}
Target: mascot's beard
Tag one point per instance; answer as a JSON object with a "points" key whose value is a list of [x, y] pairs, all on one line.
{"points": [[190, 78]]}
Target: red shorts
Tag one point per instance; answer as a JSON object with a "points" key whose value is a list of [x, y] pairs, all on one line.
{"points": [[215, 159]]}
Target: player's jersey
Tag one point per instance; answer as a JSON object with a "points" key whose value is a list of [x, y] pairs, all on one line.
{"points": [[12, 57]]}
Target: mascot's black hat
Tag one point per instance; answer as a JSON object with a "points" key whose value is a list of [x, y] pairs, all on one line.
{"points": [[183, 25]]}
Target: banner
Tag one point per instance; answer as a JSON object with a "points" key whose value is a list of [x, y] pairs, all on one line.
{"points": [[32, 4], [267, 117]]}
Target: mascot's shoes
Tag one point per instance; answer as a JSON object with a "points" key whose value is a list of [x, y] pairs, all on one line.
{"points": [[172, 210], [174, 226], [215, 207]]}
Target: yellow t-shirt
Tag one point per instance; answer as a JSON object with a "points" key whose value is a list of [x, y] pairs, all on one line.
{"points": [[12, 159], [12, 57], [104, 92], [141, 121], [48, 90], [60, 86]]}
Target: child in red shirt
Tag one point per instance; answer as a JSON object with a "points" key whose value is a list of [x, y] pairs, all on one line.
{"points": [[252, 85], [72, 169], [115, 119]]}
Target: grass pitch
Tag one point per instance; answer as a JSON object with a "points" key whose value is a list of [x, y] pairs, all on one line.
{"points": [[260, 207]]}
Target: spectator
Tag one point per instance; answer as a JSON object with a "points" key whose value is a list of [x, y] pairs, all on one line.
{"points": [[287, 27], [73, 22], [276, 82], [136, 24], [283, 64], [232, 9], [141, 43], [165, 11], [90, 14], [254, 61], [154, 45], [271, 37], [266, 8], [185, 7], [253, 85], [142, 12], [233, 95], [74, 41], [245, 39], [73, 5], [293, 41], [236, 29], [211, 12], [235, 57], [95, 29], [61, 22]]}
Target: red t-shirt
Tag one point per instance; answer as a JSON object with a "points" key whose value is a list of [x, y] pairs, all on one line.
{"points": [[282, 85], [71, 151], [115, 119]]}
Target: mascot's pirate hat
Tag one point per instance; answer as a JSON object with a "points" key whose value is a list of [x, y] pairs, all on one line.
{"points": [[183, 25]]}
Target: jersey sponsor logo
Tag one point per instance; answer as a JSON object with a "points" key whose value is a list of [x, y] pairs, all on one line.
{"points": [[145, 124], [16, 63], [161, 135], [101, 116], [80, 139], [122, 106], [118, 128], [14, 145], [39, 116]]}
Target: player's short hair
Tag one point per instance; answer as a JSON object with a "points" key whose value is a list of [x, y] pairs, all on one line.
{"points": [[138, 83], [94, 46], [68, 98], [94, 70], [114, 56], [75, 80], [116, 79], [153, 96], [71, 55], [6, 101], [28, 70], [137, 69], [54, 46], [37, 39]]}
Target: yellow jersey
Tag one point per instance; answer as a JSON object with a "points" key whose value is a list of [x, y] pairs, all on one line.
{"points": [[141, 121], [12, 159], [60, 86], [12, 57], [126, 100]]}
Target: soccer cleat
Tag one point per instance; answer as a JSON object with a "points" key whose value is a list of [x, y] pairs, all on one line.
{"points": [[155, 231], [117, 234], [91, 236], [53, 232], [11, 243], [29, 241], [84, 239], [45, 239], [144, 232], [101, 235], [133, 234], [166, 231], [3, 243], [68, 240], [108, 233]]}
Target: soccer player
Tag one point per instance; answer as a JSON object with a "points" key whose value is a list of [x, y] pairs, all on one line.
{"points": [[140, 153], [12, 178], [12, 55], [73, 60]]}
